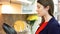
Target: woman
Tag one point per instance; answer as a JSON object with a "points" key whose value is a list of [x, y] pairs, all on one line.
{"points": [[49, 24]]}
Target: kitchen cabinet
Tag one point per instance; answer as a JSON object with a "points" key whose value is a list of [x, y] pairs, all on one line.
{"points": [[29, 9], [11, 9], [18, 6], [4, 1]]}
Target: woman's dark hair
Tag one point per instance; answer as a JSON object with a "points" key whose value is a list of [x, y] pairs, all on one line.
{"points": [[46, 3]]}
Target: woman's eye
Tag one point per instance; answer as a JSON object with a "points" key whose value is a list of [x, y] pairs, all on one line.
{"points": [[38, 7]]}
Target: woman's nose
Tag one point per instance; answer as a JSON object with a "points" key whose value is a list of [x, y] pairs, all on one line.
{"points": [[36, 10]]}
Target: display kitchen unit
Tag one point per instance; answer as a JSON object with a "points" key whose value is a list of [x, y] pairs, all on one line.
{"points": [[21, 16]]}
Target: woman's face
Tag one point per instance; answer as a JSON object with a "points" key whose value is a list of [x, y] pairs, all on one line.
{"points": [[41, 10]]}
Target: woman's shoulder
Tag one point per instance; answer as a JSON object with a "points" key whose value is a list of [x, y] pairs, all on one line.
{"points": [[53, 26], [53, 22]]}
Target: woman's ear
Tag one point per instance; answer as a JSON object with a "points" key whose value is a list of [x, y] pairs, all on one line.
{"points": [[47, 8]]}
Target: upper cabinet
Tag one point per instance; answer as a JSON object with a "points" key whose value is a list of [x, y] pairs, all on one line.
{"points": [[18, 6], [11, 9], [21, 1], [4, 2], [29, 9]]}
